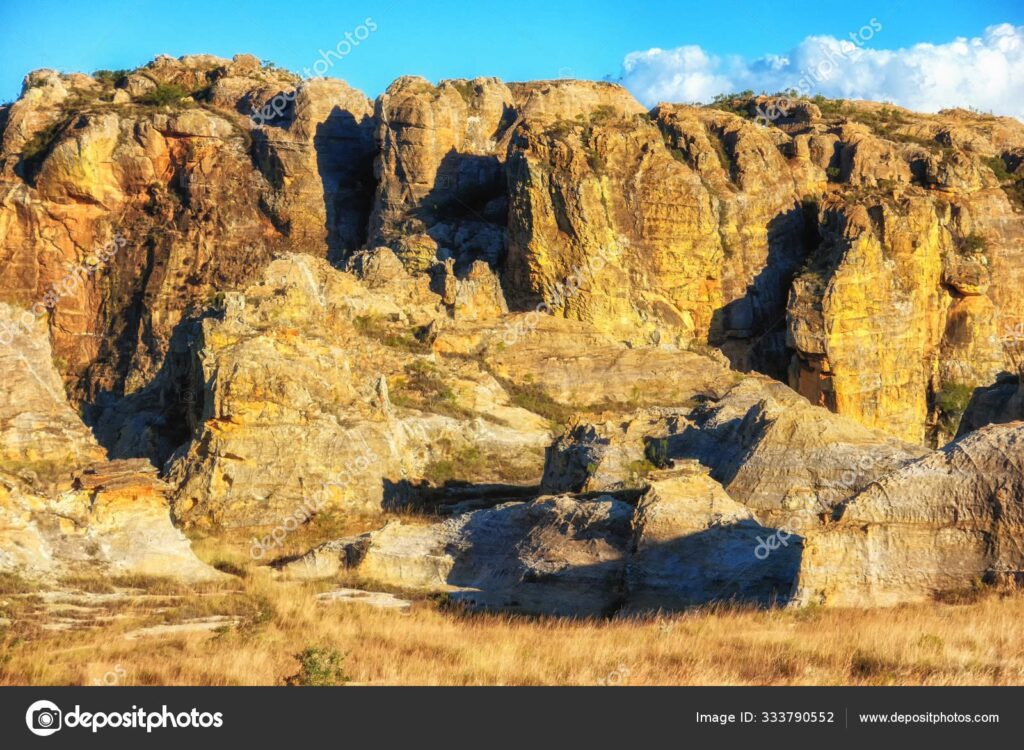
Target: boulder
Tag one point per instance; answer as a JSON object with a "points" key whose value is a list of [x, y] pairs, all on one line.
{"points": [[942, 524]]}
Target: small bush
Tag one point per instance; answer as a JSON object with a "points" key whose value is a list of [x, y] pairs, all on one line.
{"points": [[952, 402], [39, 146], [466, 464], [560, 128], [320, 667], [678, 154], [602, 114], [828, 107], [467, 90], [998, 167], [533, 397], [638, 471], [657, 452], [736, 103], [380, 330], [974, 243], [723, 155], [163, 95], [109, 77]]}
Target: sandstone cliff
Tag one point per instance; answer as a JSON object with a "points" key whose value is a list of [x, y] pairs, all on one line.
{"points": [[847, 237], [623, 352]]}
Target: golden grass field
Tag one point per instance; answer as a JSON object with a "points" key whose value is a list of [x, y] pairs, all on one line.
{"points": [[978, 640]]}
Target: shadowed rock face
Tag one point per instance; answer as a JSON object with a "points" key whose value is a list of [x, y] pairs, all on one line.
{"points": [[440, 176], [64, 509], [789, 462], [686, 544], [999, 403]]}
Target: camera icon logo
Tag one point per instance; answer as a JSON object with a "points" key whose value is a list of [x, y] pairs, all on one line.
{"points": [[44, 718]]}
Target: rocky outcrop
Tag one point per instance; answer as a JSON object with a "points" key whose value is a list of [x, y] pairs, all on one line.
{"points": [[788, 462], [556, 555], [997, 404], [895, 237], [440, 177], [944, 523], [523, 263], [693, 544], [316, 395], [120, 216], [686, 543], [318, 156], [64, 509]]}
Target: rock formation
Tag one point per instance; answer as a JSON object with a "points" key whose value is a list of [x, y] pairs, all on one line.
{"points": [[637, 359], [64, 509], [942, 524]]}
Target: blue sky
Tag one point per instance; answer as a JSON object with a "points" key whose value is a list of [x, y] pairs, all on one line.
{"points": [[529, 39]]}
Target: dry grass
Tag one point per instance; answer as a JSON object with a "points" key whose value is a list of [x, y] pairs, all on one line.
{"points": [[981, 642]]}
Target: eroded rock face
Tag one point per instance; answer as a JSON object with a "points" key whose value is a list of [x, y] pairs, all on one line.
{"points": [[873, 303], [179, 232], [1000, 403], [318, 157], [787, 461], [64, 509], [686, 543], [441, 181], [601, 198], [123, 215], [556, 555], [316, 396], [693, 544], [895, 237], [943, 523]]}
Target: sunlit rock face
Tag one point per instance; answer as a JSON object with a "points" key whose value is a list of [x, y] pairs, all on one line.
{"points": [[615, 351]]}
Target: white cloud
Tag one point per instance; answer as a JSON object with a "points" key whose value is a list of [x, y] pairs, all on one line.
{"points": [[984, 72]]}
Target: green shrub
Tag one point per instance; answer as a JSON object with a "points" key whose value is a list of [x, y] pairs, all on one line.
{"points": [[638, 471], [164, 94], [320, 667], [423, 387], [998, 167], [974, 243], [952, 402], [602, 114], [656, 451], [109, 77], [466, 89], [1015, 193], [379, 329], [39, 146], [828, 107], [560, 128], [467, 464], [736, 103], [677, 154], [534, 398], [723, 155]]}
